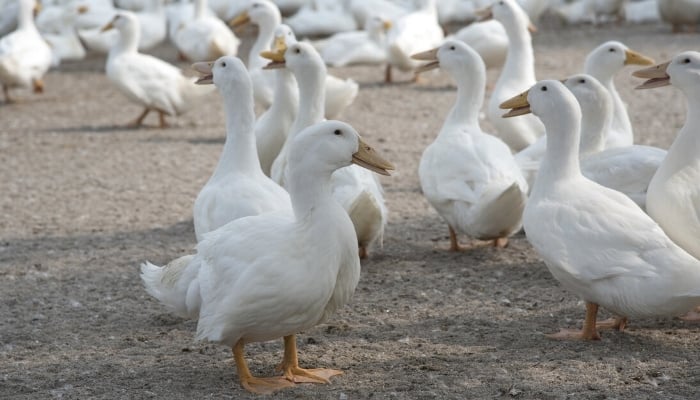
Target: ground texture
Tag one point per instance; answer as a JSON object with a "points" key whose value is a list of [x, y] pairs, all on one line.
{"points": [[85, 201]]}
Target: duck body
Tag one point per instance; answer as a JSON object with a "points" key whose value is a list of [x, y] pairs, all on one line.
{"points": [[517, 75], [673, 198], [322, 17], [357, 190], [263, 277], [679, 12], [596, 241], [205, 37], [238, 187], [357, 47], [24, 55], [468, 176], [65, 43], [412, 33], [144, 79]]}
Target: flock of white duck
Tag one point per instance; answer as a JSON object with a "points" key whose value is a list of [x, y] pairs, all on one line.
{"points": [[616, 223]]}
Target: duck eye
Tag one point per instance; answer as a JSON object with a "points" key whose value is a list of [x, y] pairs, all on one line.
{"points": [[582, 81], [686, 61], [612, 50], [544, 88], [223, 64], [337, 132], [297, 50], [452, 47]]}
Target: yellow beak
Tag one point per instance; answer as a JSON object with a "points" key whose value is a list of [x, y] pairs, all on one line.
{"points": [[656, 76], [518, 105], [367, 157], [107, 27], [634, 58], [240, 20], [387, 25], [276, 55]]}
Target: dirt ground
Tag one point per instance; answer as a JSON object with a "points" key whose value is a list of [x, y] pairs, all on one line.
{"points": [[84, 202]]}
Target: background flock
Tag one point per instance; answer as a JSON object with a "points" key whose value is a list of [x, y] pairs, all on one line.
{"points": [[294, 202]]}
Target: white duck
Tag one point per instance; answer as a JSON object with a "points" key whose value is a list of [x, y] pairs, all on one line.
{"points": [[679, 13], [412, 33], [603, 63], [468, 176], [238, 187], [340, 93], [357, 47], [272, 126], [273, 275], [626, 169], [144, 79], [363, 10], [673, 198], [356, 189], [24, 55], [152, 23], [266, 16], [488, 38], [517, 75], [204, 37], [596, 241], [321, 18], [65, 43]]}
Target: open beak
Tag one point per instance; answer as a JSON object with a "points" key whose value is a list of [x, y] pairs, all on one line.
{"points": [[204, 68], [367, 157], [517, 105], [107, 27], [239, 20], [656, 76], [634, 58], [387, 25], [430, 55], [484, 14], [276, 55]]}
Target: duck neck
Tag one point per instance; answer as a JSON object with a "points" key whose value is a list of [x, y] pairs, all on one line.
{"points": [[240, 153], [309, 189], [594, 127], [200, 7], [25, 16], [687, 142], [128, 41], [470, 95], [266, 34], [520, 60], [286, 96], [311, 82], [561, 160]]}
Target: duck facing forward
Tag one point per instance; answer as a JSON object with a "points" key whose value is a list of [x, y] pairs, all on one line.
{"points": [[273, 275], [596, 241], [468, 176]]}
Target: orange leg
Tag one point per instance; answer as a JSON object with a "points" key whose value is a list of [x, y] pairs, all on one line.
{"points": [[38, 86], [363, 252], [292, 371], [251, 383], [454, 241], [387, 74], [588, 332], [618, 323], [139, 120], [500, 242], [163, 122]]}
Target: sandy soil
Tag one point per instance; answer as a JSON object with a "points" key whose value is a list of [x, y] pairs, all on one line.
{"points": [[85, 201]]}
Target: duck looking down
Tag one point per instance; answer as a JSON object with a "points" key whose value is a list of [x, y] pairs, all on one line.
{"points": [[596, 241], [273, 275]]}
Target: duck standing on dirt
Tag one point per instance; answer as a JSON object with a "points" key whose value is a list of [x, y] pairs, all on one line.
{"points": [[596, 241]]}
